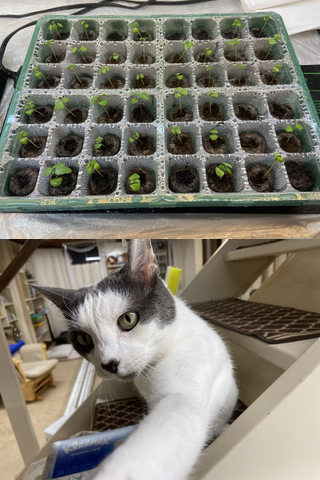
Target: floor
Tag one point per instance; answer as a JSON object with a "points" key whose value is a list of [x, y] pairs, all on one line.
{"points": [[42, 415]]}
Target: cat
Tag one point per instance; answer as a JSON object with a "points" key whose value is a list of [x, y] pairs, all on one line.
{"points": [[131, 328]]}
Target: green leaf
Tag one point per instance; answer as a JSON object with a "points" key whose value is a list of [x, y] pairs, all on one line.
{"points": [[65, 99], [24, 140], [37, 74], [29, 112], [272, 41], [144, 96], [134, 100], [61, 169], [134, 181], [289, 129], [219, 172], [131, 140], [227, 164], [59, 25], [103, 103], [96, 165], [55, 182], [47, 172], [184, 91], [95, 99], [299, 127], [83, 49], [89, 167], [74, 50]]}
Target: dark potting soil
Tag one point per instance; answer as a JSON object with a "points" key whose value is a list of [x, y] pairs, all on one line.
{"points": [[115, 114], [289, 143], [252, 143], [59, 57], [270, 79], [121, 59], [244, 82], [86, 82], [36, 117], [145, 82], [143, 34], [175, 36], [104, 182], [88, 59], [231, 57], [115, 37], [61, 36], [174, 82], [144, 116], [115, 83], [88, 36], [257, 180], [206, 82], [202, 34], [230, 34], [147, 182], [263, 55], [144, 60], [68, 184], [300, 176], [49, 82], [23, 182], [77, 115], [258, 33], [218, 184], [184, 179], [182, 146], [246, 112], [69, 146], [143, 146], [176, 58], [28, 150], [282, 112], [110, 146], [202, 57], [215, 147], [216, 113], [177, 115]]}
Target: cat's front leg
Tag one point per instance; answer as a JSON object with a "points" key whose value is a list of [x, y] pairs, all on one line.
{"points": [[165, 446]]}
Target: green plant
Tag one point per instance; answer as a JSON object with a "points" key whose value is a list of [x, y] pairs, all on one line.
{"points": [[208, 69], [222, 169], [134, 27], [214, 135], [179, 77], [115, 56], [71, 67], [93, 165], [134, 182], [290, 129], [275, 70], [79, 50], [60, 103], [141, 96], [144, 47], [38, 74], [208, 53], [23, 138], [105, 70], [54, 26], [265, 19], [241, 67], [102, 102], [135, 137], [58, 170], [277, 158], [272, 42], [30, 109], [177, 131], [236, 24], [212, 94], [49, 42], [85, 26], [234, 42], [98, 142], [186, 44], [180, 91], [140, 76]]}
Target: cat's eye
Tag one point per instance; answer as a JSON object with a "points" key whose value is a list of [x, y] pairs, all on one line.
{"points": [[128, 320], [85, 340]]}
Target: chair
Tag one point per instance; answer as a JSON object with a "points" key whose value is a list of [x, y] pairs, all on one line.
{"points": [[34, 370]]}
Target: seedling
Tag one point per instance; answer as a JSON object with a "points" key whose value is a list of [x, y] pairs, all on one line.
{"points": [[222, 169], [140, 76], [290, 129], [38, 74], [93, 165], [79, 50], [277, 158], [177, 131], [60, 103], [275, 70], [54, 26], [272, 42], [234, 42], [23, 138], [265, 19], [208, 53], [241, 67], [115, 56], [98, 142], [186, 44], [30, 109], [134, 182], [71, 67], [105, 70], [85, 26], [58, 170], [208, 69], [141, 96], [212, 94], [102, 102], [214, 135], [135, 137], [134, 27], [49, 42], [180, 91], [179, 77], [236, 24]]}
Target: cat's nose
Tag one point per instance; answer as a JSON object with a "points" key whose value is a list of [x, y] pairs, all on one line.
{"points": [[112, 366]]}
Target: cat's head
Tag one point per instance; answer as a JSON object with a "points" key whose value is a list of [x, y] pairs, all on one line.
{"points": [[120, 324]]}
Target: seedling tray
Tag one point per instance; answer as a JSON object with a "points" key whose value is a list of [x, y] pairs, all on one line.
{"points": [[293, 91]]}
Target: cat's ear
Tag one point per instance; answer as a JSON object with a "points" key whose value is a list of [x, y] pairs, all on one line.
{"points": [[141, 261], [64, 299]]}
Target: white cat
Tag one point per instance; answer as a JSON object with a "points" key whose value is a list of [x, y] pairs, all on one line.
{"points": [[131, 328]]}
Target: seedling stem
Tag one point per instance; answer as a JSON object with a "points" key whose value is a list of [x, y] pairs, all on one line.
{"points": [[79, 50], [180, 91], [60, 103], [23, 138], [234, 43], [177, 131], [275, 70], [241, 67], [179, 77], [290, 129], [49, 43], [71, 67], [140, 95], [272, 42], [38, 74], [265, 19], [236, 24], [277, 158], [135, 137], [208, 53], [54, 26], [93, 165], [212, 94], [30, 109], [85, 26], [186, 44], [140, 76], [105, 70]]}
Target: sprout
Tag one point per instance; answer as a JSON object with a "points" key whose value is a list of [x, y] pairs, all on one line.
{"points": [[115, 56], [234, 43], [236, 24], [23, 138], [93, 165], [79, 50], [208, 53], [180, 91], [277, 158], [272, 42], [38, 74], [71, 67], [85, 26], [141, 96], [105, 70], [49, 42], [179, 77], [135, 137], [134, 182], [208, 69], [275, 70], [265, 19], [241, 67], [290, 129], [140, 76], [102, 102], [212, 94], [144, 47], [134, 27], [214, 135], [98, 142], [54, 26], [222, 169], [60, 103], [176, 131], [57, 170], [186, 44], [30, 109]]}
